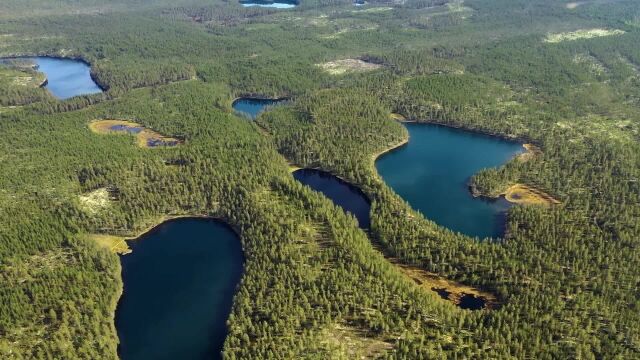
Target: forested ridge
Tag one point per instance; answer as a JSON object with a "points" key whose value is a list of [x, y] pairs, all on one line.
{"points": [[566, 276]]}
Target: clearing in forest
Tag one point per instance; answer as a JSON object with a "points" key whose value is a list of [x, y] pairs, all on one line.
{"points": [[527, 195], [94, 201], [447, 289], [352, 343], [115, 244], [581, 34], [147, 138], [339, 67]]}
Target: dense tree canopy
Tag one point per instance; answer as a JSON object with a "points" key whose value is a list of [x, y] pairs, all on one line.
{"points": [[567, 276]]}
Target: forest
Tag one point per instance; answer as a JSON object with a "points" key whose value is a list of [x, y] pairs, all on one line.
{"points": [[567, 277]]}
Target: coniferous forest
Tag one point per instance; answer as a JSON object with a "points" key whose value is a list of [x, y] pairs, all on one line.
{"points": [[563, 76]]}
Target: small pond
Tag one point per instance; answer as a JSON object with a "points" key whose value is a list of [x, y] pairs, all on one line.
{"points": [[252, 107]]}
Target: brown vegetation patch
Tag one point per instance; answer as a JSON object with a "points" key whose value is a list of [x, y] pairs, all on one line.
{"points": [[531, 151], [147, 138], [527, 195], [449, 290]]}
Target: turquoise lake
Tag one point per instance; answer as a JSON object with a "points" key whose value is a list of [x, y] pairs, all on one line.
{"points": [[251, 107], [179, 284], [432, 174]]}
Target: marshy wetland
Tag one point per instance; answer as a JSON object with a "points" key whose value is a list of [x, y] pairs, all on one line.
{"points": [[146, 138]]}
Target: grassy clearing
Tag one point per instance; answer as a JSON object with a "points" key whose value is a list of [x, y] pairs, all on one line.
{"points": [[117, 244], [340, 67], [351, 343], [374, 10], [146, 137], [526, 195], [398, 117], [581, 34]]}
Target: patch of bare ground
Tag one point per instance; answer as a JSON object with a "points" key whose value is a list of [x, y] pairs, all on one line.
{"points": [[95, 201], [575, 4], [581, 34], [531, 151], [348, 342], [147, 138], [339, 67]]}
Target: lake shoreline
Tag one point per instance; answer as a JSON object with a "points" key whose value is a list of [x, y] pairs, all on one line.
{"points": [[512, 138], [79, 58], [148, 233]]}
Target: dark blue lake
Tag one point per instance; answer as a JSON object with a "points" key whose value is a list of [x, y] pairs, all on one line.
{"points": [[432, 173], [66, 78], [179, 284], [343, 194], [251, 107]]}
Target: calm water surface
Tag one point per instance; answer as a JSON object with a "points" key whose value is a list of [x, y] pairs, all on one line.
{"points": [[432, 173], [348, 197], [179, 284], [66, 78], [251, 107], [268, 4]]}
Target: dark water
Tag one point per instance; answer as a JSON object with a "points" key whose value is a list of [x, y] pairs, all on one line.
{"points": [[348, 197], [126, 128], [179, 284], [251, 107], [432, 174], [280, 4], [471, 302], [66, 78], [162, 142]]}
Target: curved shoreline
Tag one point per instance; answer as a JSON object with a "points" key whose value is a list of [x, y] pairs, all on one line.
{"points": [[340, 179], [462, 127], [258, 97], [164, 219], [103, 87]]}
